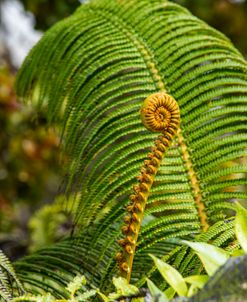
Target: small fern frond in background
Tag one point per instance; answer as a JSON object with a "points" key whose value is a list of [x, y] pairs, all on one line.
{"points": [[10, 285]]}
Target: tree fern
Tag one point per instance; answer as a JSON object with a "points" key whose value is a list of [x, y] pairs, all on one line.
{"points": [[91, 73]]}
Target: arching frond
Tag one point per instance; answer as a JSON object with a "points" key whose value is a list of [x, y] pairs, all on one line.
{"points": [[92, 72]]}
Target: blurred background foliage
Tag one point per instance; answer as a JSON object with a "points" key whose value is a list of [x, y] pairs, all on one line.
{"points": [[29, 166], [29, 152], [48, 12]]}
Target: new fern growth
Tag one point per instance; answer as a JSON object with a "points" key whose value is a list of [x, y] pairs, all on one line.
{"points": [[159, 113]]}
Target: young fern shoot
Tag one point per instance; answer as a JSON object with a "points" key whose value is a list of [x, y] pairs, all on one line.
{"points": [[159, 113]]}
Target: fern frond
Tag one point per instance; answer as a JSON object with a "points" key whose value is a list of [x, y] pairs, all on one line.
{"points": [[10, 285], [92, 72]]}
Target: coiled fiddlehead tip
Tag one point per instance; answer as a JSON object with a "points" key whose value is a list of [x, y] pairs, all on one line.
{"points": [[160, 113]]}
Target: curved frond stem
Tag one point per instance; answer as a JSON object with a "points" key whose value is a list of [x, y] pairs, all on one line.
{"points": [[159, 113], [194, 183]]}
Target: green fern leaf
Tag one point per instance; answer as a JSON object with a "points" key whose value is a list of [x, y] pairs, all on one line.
{"points": [[91, 72]]}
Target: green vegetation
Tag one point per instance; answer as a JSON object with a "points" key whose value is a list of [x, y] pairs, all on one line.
{"points": [[218, 264], [228, 16], [90, 74]]}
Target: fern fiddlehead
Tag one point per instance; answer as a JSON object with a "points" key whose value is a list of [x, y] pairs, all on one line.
{"points": [[159, 113]]}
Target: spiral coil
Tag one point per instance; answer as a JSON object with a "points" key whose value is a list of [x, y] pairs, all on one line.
{"points": [[160, 113]]}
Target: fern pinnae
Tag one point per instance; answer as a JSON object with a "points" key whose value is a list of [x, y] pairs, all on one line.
{"points": [[159, 113], [5, 286], [107, 59]]}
